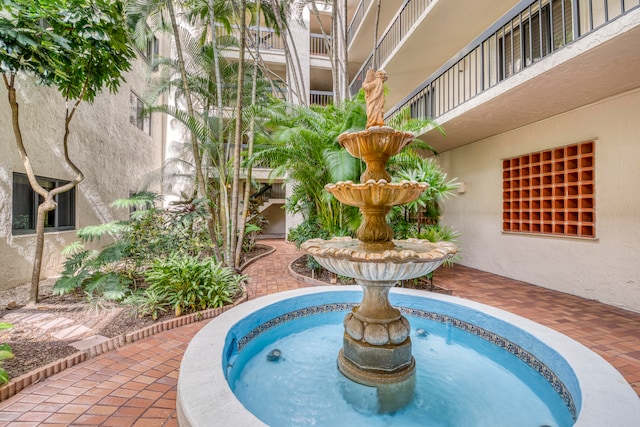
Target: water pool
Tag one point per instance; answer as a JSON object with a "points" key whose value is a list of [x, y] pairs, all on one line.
{"points": [[462, 380], [600, 394]]}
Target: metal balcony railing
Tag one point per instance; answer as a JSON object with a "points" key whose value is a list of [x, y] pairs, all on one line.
{"points": [[514, 43], [409, 14], [269, 191], [265, 38], [319, 44], [358, 16], [268, 40], [320, 97]]}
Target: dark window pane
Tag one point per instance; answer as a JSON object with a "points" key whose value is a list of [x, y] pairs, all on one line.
{"points": [[23, 204], [66, 209]]}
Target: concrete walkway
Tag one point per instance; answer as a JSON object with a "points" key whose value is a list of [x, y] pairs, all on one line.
{"points": [[135, 385]]}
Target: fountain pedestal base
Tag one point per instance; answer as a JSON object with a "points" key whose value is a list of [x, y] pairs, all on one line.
{"points": [[394, 390], [385, 359]]}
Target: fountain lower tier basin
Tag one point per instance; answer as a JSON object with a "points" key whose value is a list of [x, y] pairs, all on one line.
{"points": [[379, 262], [589, 388]]}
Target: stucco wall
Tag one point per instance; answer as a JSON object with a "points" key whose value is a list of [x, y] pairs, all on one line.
{"points": [[606, 268], [112, 153]]}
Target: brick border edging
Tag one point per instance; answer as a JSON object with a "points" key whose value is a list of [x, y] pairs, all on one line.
{"points": [[303, 278], [18, 384], [256, 258]]}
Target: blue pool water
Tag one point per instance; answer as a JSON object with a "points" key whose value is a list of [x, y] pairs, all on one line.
{"points": [[462, 381]]}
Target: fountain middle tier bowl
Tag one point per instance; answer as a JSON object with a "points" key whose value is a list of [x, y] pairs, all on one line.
{"points": [[377, 141], [372, 193], [407, 259]]}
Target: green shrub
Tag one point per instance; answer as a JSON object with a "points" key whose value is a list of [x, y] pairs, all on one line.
{"points": [[192, 284], [5, 353], [308, 229], [150, 233], [438, 233]]}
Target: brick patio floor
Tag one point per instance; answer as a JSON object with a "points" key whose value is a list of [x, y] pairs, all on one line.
{"points": [[136, 385]]}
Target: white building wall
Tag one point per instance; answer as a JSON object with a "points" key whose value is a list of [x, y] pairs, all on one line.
{"points": [[113, 154], [299, 36], [607, 268]]}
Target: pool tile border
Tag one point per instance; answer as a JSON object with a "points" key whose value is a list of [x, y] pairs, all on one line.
{"points": [[554, 381]]}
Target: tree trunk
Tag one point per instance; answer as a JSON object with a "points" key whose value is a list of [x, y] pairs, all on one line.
{"points": [[375, 36], [220, 161], [247, 187], [235, 184], [337, 95], [48, 203], [201, 183], [344, 83]]}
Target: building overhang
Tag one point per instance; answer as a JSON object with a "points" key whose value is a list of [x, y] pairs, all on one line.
{"points": [[601, 65]]}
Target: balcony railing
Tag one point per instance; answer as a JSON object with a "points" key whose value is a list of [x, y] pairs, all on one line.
{"points": [[514, 43], [268, 40], [269, 191], [265, 38], [409, 14], [358, 16], [320, 97], [319, 44]]}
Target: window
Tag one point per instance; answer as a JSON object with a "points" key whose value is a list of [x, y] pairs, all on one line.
{"points": [[153, 48], [137, 115], [550, 192], [152, 51], [26, 201]]}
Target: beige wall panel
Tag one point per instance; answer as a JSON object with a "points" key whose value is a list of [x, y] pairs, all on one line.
{"points": [[607, 268], [113, 154]]}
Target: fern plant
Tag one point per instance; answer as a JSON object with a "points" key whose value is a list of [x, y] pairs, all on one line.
{"points": [[148, 302]]}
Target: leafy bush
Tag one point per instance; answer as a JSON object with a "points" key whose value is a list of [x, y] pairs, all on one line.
{"points": [[191, 284], [150, 233], [97, 273], [438, 233], [308, 229], [5, 353]]}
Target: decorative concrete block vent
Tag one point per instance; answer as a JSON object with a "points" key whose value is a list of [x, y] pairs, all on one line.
{"points": [[550, 192]]}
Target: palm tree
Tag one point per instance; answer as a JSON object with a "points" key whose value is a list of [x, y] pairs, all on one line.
{"points": [[215, 84], [303, 145], [156, 12]]}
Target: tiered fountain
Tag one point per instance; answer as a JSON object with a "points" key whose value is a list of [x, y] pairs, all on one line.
{"points": [[376, 347], [232, 374]]}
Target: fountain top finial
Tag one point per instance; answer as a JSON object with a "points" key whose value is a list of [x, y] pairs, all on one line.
{"points": [[373, 86]]}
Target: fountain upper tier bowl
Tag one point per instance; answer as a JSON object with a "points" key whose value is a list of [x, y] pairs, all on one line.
{"points": [[374, 146]]}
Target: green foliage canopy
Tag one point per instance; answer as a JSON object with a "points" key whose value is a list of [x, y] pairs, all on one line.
{"points": [[79, 46]]}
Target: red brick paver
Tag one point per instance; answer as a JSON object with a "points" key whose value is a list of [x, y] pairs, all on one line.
{"points": [[135, 385]]}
